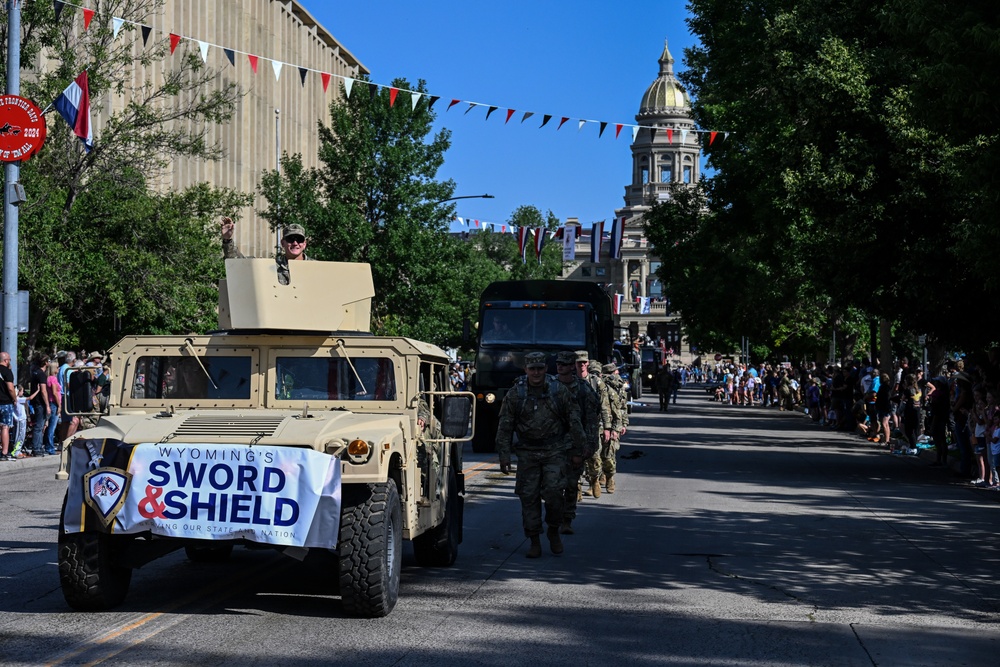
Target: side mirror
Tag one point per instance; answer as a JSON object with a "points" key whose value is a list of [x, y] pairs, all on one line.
{"points": [[456, 412]]}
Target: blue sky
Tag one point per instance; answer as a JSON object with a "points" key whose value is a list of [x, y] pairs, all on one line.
{"points": [[586, 60]]}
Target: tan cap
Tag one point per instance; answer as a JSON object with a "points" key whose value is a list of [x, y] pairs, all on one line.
{"points": [[291, 230], [534, 359], [595, 367], [609, 368], [566, 357], [582, 355]]}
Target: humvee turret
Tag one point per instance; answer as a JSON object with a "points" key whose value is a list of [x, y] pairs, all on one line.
{"points": [[292, 427]]}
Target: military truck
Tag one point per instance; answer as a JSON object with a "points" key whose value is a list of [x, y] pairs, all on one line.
{"points": [[291, 428], [521, 316]]}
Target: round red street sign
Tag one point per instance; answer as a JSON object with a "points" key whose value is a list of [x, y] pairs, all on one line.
{"points": [[718, 357], [22, 128]]}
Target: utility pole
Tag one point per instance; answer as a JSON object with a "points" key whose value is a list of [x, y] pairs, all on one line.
{"points": [[12, 175]]}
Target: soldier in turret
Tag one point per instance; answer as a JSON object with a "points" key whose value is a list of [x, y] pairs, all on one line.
{"points": [[590, 415], [546, 419], [591, 372], [293, 247]]}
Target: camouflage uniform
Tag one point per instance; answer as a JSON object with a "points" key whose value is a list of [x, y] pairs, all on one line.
{"points": [[608, 423], [542, 417], [230, 251], [590, 416], [619, 420], [664, 385]]}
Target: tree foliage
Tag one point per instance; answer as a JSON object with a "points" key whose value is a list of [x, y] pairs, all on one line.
{"points": [[103, 250]]}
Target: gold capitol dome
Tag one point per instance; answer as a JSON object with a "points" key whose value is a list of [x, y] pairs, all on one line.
{"points": [[665, 95]]}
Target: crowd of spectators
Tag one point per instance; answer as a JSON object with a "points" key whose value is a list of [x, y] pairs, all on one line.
{"points": [[896, 407], [46, 405]]}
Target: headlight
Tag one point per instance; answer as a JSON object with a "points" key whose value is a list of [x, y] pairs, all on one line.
{"points": [[359, 451], [491, 397]]}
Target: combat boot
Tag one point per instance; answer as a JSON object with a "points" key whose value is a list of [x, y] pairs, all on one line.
{"points": [[610, 486], [595, 487], [555, 542], [602, 480], [535, 550], [566, 528]]}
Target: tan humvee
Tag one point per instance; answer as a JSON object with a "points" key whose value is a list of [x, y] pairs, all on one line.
{"points": [[290, 427]]}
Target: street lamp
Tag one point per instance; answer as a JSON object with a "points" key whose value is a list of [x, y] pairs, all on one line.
{"points": [[464, 197]]}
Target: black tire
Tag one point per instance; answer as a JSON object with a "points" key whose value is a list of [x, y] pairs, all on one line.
{"points": [[88, 575], [370, 548], [209, 553], [438, 547]]}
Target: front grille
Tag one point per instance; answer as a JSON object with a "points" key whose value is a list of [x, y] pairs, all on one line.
{"points": [[229, 427]]}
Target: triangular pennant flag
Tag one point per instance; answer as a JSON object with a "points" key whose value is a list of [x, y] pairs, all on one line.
{"points": [[618, 129], [510, 112], [231, 55], [116, 26], [527, 115], [453, 103], [503, 229], [393, 93], [472, 105], [652, 134], [539, 242], [88, 16], [174, 41], [580, 127], [522, 242], [635, 132], [564, 119], [302, 75], [684, 136], [58, 7], [326, 80], [414, 98], [146, 30], [604, 126], [670, 136], [348, 86], [432, 100], [203, 47], [725, 136], [276, 66], [461, 221], [372, 91], [711, 137], [489, 111], [253, 62], [545, 119]]}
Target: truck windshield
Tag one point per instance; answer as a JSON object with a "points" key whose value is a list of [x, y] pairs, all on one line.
{"points": [[165, 376], [535, 326], [331, 379]]}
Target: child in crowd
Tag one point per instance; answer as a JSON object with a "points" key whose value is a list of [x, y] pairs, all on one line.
{"points": [[20, 425], [977, 431]]}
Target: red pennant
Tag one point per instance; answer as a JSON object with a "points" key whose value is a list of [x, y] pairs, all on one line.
{"points": [[453, 103], [88, 16], [510, 112], [174, 41], [253, 63], [618, 129], [392, 96], [711, 137], [326, 80], [670, 136], [503, 229], [564, 119]]}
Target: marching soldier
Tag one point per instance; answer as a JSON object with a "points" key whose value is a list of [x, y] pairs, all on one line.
{"points": [[664, 385], [591, 372], [546, 419], [590, 415], [619, 421]]}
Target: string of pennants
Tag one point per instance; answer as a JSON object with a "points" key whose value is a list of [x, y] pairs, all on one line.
{"points": [[349, 83], [567, 234]]}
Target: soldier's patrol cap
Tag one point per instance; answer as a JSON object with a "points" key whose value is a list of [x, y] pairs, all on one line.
{"points": [[534, 359], [608, 368], [566, 357], [292, 230], [595, 367], [581, 355]]}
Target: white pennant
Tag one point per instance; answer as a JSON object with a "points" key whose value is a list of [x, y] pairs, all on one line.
{"points": [[684, 136], [414, 98], [276, 66], [582, 123], [635, 132], [117, 26], [203, 47], [348, 84]]}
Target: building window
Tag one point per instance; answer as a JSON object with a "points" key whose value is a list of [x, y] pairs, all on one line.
{"points": [[585, 271], [687, 174], [666, 174], [644, 175], [600, 271]]}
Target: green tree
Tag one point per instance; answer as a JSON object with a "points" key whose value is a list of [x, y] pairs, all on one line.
{"points": [[101, 250]]}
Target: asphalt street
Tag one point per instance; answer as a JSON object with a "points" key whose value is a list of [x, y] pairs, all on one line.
{"points": [[737, 536]]}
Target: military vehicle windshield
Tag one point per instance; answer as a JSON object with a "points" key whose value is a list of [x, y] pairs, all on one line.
{"points": [[333, 379], [535, 327], [165, 376]]}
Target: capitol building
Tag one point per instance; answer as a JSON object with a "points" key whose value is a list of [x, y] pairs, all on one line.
{"points": [[659, 158]]}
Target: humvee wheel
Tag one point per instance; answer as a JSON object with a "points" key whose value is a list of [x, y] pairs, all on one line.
{"points": [[209, 553], [370, 548], [438, 547], [89, 578]]}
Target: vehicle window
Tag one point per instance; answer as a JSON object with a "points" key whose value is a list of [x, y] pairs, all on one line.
{"points": [[535, 326], [180, 376], [647, 356], [331, 379]]}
